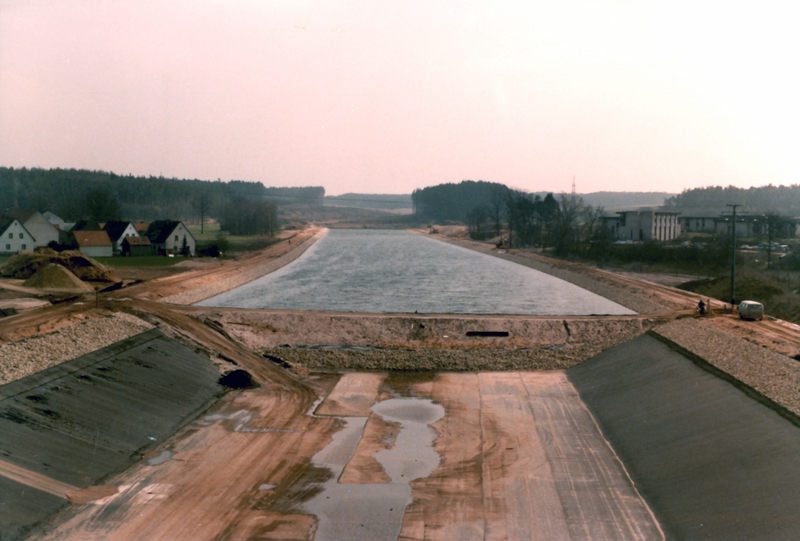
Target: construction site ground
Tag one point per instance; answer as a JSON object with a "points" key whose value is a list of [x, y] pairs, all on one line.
{"points": [[535, 444]]}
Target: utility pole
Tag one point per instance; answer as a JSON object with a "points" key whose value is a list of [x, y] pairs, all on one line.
{"points": [[733, 255]]}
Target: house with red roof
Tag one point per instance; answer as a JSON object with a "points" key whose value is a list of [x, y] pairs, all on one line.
{"points": [[93, 243]]}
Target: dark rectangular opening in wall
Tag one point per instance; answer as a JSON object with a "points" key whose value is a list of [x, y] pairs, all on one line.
{"points": [[487, 333]]}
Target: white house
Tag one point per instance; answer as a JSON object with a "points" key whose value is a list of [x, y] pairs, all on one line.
{"points": [[36, 223], [53, 219], [117, 231], [14, 237], [170, 235], [93, 243]]}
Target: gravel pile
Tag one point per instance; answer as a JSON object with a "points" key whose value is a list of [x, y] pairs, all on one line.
{"points": [[775, 376], [218, 287], [26, 357]]}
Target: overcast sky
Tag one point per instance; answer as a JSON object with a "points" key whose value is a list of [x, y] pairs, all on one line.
{"points": [[382, 96]]}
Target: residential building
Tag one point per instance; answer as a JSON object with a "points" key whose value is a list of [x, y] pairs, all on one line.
{"points": [[93, 243], [117, 231], [14, 237], [42, 231], [57, 221], [136, 246], [170, 237], [641, 225]]}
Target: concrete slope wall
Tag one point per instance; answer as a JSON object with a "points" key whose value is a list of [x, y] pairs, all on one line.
{"points": [[78, 422], [712, 462]]}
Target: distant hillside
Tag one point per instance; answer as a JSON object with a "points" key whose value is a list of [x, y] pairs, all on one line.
{"points": [[621, 200], [608, 200], [712, 200], [371, 201], [72, 194]]}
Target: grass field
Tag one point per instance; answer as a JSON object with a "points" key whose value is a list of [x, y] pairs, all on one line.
{"points": [[230, 243]]}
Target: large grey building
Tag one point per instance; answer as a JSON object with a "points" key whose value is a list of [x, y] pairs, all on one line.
{"points": [[643, 225]]}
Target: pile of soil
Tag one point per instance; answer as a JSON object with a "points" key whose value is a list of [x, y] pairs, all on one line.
{"points": [[25, 264], [54, 276]]}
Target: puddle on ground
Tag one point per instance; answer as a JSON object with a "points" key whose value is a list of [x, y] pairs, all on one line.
{"points": [[165, 456], [375, 511]]}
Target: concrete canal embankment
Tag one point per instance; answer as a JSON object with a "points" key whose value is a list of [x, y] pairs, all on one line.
{"points": [[713, 458], [66, 429]]}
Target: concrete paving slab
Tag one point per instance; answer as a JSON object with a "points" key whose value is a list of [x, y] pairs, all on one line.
{"points": [[712, 462], [83, 420]]}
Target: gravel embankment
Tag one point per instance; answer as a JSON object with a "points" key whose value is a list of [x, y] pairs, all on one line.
{"points": [[26, 357], [773, 375], [555, 357], [240, 278]]}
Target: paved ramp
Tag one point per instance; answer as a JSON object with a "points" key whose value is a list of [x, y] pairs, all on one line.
{"points": [[711, 462], [69, 427]]}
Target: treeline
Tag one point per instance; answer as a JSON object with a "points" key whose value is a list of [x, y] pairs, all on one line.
{"points": [[784, 200], [249, 218], [452, 202], [489, 209], [75, 194]]}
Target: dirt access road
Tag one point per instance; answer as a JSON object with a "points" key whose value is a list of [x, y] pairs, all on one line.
{"points": [[517, 455]]}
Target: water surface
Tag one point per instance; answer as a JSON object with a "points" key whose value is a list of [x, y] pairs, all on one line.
{"points": [[402, 272]]}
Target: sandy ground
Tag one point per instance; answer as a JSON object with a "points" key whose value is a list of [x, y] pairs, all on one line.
{"points": [[553, 493]]}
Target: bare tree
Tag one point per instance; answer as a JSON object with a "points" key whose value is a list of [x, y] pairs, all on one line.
{"points": [[203, 204], [570, 208], [496, 206]]}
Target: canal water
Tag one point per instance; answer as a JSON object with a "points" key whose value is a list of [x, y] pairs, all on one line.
{"points": [[351, 270]]}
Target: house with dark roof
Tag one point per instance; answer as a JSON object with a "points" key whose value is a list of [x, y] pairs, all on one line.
{"points": [[86, 225], [117, 231], [14, 237], [136, 246], [93, 243], [171, 237], [42, 231]]}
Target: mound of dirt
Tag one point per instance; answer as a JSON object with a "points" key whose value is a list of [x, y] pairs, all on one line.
{"points": [[749, 285], [54, 276], [25, 264]]}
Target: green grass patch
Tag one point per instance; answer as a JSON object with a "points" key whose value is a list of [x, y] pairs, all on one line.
{"points": [[212, 234], [144, 261], [4, 259]]}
